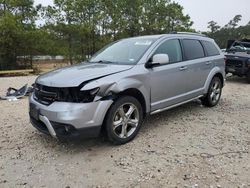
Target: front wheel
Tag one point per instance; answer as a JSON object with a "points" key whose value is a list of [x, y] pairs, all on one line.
{"points": [[123, 120], [214, 93]]}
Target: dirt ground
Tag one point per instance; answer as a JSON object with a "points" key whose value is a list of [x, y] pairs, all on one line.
{"points": [[189, 146]]}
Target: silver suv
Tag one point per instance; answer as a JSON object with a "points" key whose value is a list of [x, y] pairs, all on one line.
{"points": [[124, 82]]}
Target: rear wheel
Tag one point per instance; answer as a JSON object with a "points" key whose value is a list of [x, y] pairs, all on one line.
{"points": [[214, 93], [124, 120]]}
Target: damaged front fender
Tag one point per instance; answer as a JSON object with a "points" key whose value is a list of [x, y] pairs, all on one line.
{"points": [[112, 86], [109, 89], [103, 87]]}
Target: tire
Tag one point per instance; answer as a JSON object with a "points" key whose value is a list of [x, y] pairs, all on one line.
{"points": [[123, 120], [248, 77], [214, 93]]}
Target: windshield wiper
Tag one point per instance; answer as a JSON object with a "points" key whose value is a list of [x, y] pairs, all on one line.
{"points": [[104, 61]]}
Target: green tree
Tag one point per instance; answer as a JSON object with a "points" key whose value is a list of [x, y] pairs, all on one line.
{"points": [[163, 16], [78, 28], [229, 31], [213, 26], [234, 22], [16, 21], [60, 20]]}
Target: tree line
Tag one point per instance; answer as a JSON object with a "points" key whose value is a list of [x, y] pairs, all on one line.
{"points": [[231, 31], [78, 28]]}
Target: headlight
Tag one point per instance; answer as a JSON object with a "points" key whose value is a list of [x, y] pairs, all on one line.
{"points": [[88, 95], [76, 95], [94, 91]]}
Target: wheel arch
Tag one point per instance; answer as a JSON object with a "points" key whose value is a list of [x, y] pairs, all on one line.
{"points": [[219, 75], [214, 73], [133, 92]]}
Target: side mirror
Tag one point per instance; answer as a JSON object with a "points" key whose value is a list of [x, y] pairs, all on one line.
{"points": [[159, 59]]}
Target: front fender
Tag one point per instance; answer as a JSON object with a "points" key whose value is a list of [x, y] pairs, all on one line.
{"points": [[131, 83], [103, 85], [125, 84], [108, 87]]}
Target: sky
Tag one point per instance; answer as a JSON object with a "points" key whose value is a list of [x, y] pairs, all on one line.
{"points": [[220, 11], [203, 11]]}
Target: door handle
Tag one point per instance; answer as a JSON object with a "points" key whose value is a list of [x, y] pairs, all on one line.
{"points": [[208, 63], [183, 68]]}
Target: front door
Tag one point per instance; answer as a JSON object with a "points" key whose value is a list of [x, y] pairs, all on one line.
{"points": [[169, 82]]}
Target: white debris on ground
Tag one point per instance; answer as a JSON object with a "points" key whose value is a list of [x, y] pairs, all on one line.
{"points": [[189, 146]]}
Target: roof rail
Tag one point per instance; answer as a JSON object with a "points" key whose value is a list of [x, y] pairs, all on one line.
{"points": [[187, 33]]}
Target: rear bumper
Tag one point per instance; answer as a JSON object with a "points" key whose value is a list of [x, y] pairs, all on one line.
{"points": [[68, 120]]}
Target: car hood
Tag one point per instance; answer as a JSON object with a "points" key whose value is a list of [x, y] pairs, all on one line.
{"points": [[236, 55], [73, 76]]}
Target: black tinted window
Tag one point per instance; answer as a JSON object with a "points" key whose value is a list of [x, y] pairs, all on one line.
{"points": [[172, 48], [210, 48], [193, 49]]}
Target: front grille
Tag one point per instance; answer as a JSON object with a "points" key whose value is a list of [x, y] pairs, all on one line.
{"points": [[234, 63], [45, 95]]}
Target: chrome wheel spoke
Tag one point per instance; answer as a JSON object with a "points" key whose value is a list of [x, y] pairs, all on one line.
{"points": [[212, 95], [121, 112], [216, 85], [117, 124], [124, 131], [214, 98], [133, 122], [130, 111], [217, 91], [217, 97]]}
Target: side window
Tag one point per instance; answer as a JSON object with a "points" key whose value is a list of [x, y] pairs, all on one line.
{"points": [[193, 49], [172, 48], [210, 48]]}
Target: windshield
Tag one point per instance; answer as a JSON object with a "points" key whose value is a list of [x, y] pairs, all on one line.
{"points": [[240, 47], [126, 51]]}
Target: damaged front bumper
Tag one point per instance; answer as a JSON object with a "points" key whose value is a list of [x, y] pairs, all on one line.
{"points": [[68, 120]]}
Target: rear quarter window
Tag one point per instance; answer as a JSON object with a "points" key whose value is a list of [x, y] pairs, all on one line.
{"points": [[193, 49], [210, 48]]}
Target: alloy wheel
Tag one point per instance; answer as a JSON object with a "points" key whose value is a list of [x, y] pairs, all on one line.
{"points": [[215, 91], [126, 120]]}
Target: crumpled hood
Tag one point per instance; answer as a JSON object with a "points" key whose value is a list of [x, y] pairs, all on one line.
{"points": [[236, 55], [73, 76]]}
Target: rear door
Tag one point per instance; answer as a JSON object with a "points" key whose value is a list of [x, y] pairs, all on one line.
{"points": [[198, 66]]}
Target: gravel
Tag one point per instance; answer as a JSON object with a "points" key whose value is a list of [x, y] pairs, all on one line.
{"points": [[189, 146]]}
